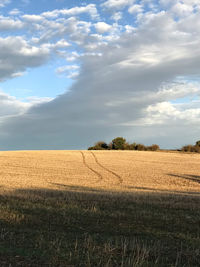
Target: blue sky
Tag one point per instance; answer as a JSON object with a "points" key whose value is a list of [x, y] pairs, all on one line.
{"points": [[74, 72]]}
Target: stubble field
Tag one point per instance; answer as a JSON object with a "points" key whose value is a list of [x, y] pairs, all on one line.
{"points": [[99, 208]]}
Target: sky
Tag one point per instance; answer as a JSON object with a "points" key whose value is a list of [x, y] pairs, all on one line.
{"points": [[76, 72]]}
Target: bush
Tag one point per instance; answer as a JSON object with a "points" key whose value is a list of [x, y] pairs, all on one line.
{"points": [[101, 145]]}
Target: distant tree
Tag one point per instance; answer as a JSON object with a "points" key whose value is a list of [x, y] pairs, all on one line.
{"points": [[198, 143], [91, 148], [133, 146], [153, 147], [119, 143], [191, 148], [197, 149], [110, 146], [140, 147], [128, 146], [101, 145]]}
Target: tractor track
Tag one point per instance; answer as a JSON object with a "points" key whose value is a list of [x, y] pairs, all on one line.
{"points": [[108, 170], [91, 169]]}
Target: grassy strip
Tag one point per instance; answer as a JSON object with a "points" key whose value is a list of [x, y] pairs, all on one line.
{"points": [[93, 228]]}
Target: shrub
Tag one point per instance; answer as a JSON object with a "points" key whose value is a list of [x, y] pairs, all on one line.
{"points": [[101, 145]]}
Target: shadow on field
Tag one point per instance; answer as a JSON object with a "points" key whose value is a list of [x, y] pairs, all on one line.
{"points": [[82, 226], [160, 191], [194, 178]]}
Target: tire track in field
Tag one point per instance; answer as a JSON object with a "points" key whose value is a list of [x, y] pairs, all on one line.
{"points": [[91, 169], [120, 179]]}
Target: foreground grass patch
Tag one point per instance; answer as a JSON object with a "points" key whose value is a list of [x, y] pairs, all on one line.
{"points": [[86, 227]]}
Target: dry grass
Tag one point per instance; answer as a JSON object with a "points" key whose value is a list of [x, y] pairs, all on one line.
{"points": [[102, 208], [110, 170]]}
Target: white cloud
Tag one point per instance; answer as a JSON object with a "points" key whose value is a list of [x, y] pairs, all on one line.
{"points": [[70, 71], [10, 106], [58, 45], [35, 100], [181, 9], [134, 9], [165, 113], [117, 4], [17, 74], [16, 55], [4, 2], [7, 24], [102, 27], [33, 18], [15, 12], [117, 16], [90, 9], [76, 30], [66, 68]]}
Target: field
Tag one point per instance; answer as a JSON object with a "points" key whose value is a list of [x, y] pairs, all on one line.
{"points": [[99, 208]]}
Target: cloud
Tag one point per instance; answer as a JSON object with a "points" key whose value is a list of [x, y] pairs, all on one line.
{"points": [[10, 106], [4, 2], [117, 4], [90, 9], [134, 9], [181, 9], [15, 12], [70, 71], [117, 16], [102, 27], [76, 30], [8, 24], [16, 55], [33, 18]]}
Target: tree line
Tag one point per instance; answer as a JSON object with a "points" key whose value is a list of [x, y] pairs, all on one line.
{"points": [[120, 143]]}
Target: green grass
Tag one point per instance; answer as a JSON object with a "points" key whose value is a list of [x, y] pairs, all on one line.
{"points": [[87, 227]]}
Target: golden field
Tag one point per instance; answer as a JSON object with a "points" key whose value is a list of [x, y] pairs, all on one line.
{"points": [[99, 208], [110, 170]]}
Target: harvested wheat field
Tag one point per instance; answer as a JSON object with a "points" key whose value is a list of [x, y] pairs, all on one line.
{"points": [[110, 170], [99, 208]]}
